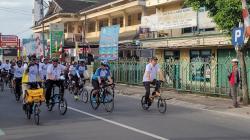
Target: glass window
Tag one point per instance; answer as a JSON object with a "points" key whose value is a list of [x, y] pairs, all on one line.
{"points": [[121, 21], [91, 26], [129, 20], [103, 23], [114, 21], [200, 65]]}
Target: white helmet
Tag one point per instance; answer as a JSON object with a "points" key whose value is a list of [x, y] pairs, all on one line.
{"points": [[235, 60]]}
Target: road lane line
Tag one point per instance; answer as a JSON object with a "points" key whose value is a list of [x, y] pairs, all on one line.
{"points": [[1, 132], [119, 124]]}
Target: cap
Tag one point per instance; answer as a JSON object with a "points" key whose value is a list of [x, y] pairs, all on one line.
{"points": [[235, 60]]}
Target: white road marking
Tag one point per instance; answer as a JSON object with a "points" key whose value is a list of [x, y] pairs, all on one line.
{"points": [[1, 132], [119, 124]]}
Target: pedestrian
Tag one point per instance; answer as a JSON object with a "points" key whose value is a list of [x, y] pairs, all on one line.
{"points": [[234, 81]]}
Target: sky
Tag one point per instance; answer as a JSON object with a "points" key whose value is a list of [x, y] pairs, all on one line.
{"points": [[16, 17]]}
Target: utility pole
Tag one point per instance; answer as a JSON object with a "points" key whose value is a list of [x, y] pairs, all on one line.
{"points": [[42, 12]]}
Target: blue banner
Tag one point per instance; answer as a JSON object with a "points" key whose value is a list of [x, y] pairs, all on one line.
{"points": [[109, 41]]}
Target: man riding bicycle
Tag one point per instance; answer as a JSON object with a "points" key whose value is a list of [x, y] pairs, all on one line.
{"points": [[31, 77], [102, 74], [18, 73], [54, 73], [150, 77]]}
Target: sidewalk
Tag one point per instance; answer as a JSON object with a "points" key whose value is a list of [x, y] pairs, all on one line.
{"points": [[207, 103]]}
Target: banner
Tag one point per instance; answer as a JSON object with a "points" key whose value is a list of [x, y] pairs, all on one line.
{"points": [[109, 39], [182, 18], [204, 20], [56, 37], [28, 47]]}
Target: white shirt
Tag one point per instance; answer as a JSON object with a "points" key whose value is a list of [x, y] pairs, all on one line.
{"points": [[54, 73], [6, 66], [33, 73], [18, 72], [43, 69], [153, 70]]}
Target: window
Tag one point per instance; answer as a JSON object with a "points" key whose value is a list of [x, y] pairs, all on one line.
{"points": [[91, 26], [139, 17], [129, 20], [103, 23], [207, 30], [114, 21], [121, 21], [200, 65], [189, 30]]}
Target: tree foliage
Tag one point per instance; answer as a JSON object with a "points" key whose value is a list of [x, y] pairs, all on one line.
{"points": [[226, 13]]}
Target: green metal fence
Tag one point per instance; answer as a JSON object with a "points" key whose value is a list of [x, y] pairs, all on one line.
{"points": [[196, 76]]}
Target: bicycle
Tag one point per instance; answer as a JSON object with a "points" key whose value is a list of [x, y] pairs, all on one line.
{"points": [[103, 95], [33, 100], [161, 103], [58, 99], [82, 91]]}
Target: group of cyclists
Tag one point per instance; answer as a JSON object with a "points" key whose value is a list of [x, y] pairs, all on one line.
{"points": [[51, 72]]}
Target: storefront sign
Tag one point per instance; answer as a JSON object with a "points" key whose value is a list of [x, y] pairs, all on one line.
{"points": [[109, 39], [9, 40], [10, 52]]}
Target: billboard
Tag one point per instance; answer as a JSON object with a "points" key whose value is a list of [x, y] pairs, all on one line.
{"points": [[56, 37], [108, 47], [175, 19], [28, 47], [8, 40]]}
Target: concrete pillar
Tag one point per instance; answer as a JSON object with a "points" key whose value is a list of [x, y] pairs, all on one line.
{"points": [[96, 25], [109, 20], [144, 11], [125, 19]]}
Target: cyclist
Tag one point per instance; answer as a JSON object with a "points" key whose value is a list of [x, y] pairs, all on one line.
{"points": [[31, 77], [74, 76], [81, 69], [54, 72], [43, 68], [11, 72], [18, 77], [102, 74], [150, 76]]}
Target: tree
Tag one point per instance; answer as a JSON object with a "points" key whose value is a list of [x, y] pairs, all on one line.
{"points": [[227, 14]]}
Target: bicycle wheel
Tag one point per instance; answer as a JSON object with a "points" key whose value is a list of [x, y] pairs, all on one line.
{"points": [[108, 101], [28, 111], [94, 99], [143, 103], [162, 105], [36, 114], [62, 106], [85, 95]]}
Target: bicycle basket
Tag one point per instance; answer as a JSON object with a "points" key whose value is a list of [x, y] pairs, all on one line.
{"points": [[35, 95]]}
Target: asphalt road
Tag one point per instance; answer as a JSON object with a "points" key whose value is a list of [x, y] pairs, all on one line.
{"points": [[127, 122]]}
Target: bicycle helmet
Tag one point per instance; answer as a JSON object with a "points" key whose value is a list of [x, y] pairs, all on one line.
{"points": [[54, 59], [104, 63]]}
